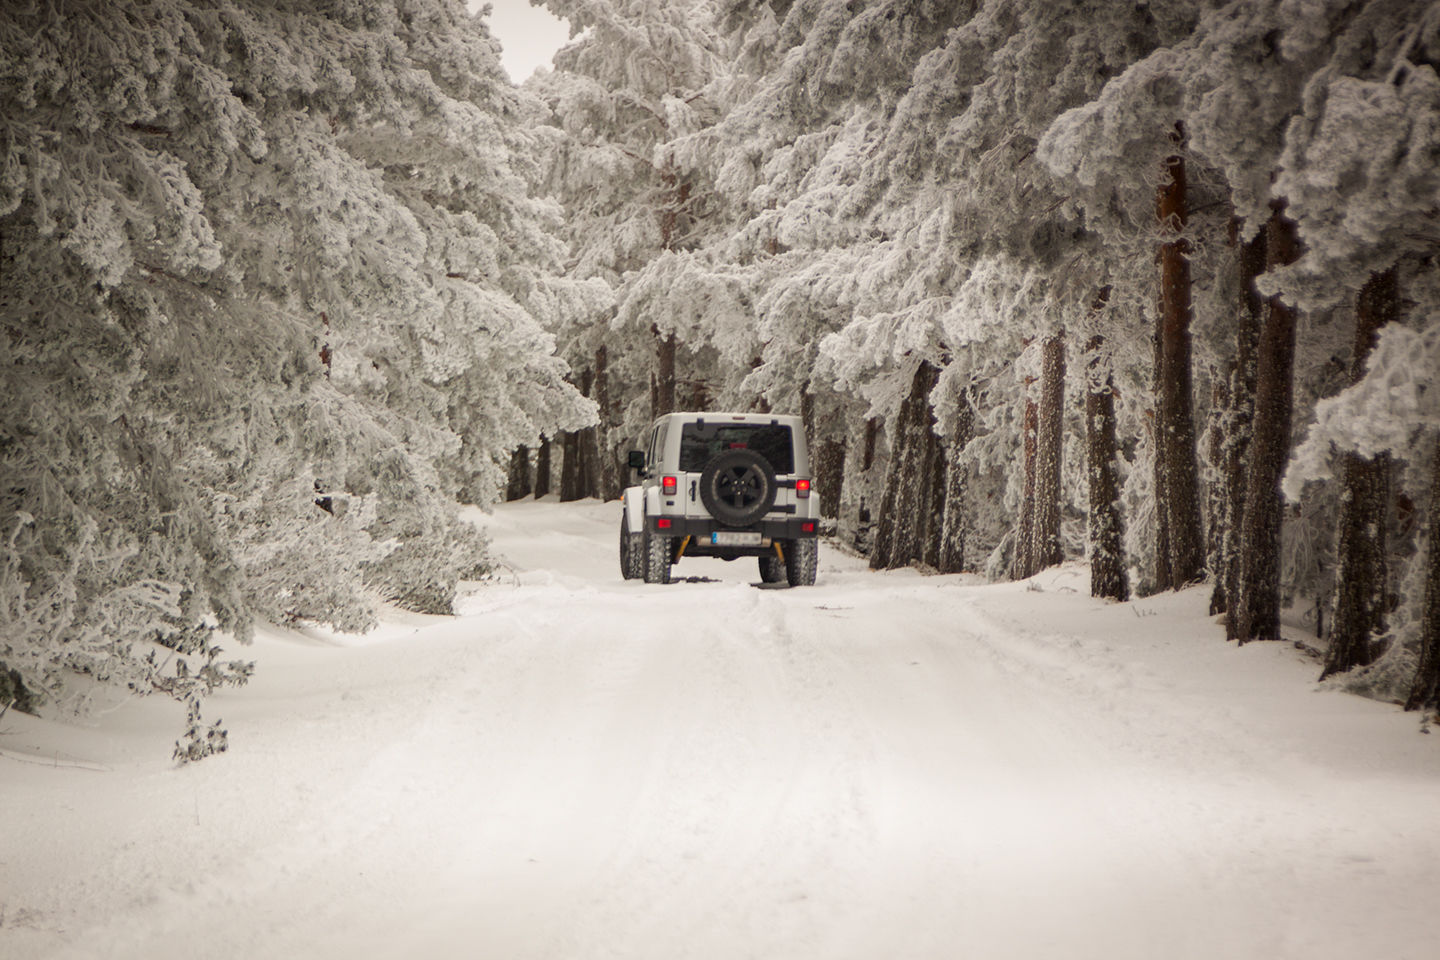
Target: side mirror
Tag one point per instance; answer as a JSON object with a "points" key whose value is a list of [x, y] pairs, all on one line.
{"points": [[637, 460]]}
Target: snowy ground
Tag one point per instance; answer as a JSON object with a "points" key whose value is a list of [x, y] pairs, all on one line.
{"points": [[882, 766]]}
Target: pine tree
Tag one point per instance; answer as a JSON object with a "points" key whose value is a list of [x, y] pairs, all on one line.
{"points": [[287, 246]]}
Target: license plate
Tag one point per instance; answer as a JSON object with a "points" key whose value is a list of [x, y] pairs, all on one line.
{"points": [[735, 538]]}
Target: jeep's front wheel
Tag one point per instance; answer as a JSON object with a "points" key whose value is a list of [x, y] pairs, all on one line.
{"points": [[802, 558], [657, 558], [632, 551]]}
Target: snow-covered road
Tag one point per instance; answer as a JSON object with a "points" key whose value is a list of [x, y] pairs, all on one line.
{"points": [[882, 766]]}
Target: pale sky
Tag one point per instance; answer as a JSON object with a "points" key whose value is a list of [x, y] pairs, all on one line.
{"points": [[529, 35]]}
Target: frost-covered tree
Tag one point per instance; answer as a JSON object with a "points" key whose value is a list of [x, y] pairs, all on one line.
{"points": [[266, 277], [636, 77]]}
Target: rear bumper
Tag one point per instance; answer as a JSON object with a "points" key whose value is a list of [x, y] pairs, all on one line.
{"points": [[699, 530]]}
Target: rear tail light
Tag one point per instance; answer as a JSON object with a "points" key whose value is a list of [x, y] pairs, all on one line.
{"points": [[663, 523], [802, 488], [668, 485], [807, 527]]}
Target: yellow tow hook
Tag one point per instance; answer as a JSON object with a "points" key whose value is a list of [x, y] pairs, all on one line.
{"points": [[779, 551], [683, 544]]}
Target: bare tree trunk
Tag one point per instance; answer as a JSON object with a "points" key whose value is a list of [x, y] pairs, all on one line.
{"points": [[1179, 495], [1163, 578], [519, 485], [1214, 490], [1024, 564], [1239, 426], [1258, 601], [933, 501], [1108, 574], [570, 466], [580, 479], [896, 534], [912, 499], [830, 476], [542, 469], [1425, 691], [662, 387], [872, 434], [955, 525], [1361, 568], [610, 475], [1049, 448], [883, 549]]}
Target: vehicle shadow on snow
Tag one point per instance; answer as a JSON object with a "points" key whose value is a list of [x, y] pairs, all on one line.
{"points": [[758, 585]]}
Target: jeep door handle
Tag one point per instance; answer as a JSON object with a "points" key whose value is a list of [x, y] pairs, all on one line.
{"points": [[692, 490]]}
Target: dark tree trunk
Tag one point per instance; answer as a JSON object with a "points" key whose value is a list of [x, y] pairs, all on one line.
{"points": [[1258, 601], [933, 502], [1108, 575], [956, 518], [882, 550], [1361, 567], [1425, 692], [1239, 425], [863, 514], [1214, 491], [609, 465], [589, 485], [579, 477], [912, 499], [1163, 579], [662, 387], [829, 471], [1179, 494], [519, 485], [1024, 564], [896, 538], [542, 468], [571, 472], [1049, 449]]}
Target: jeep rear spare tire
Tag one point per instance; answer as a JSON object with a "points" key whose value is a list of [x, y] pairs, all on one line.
{"points": [[738, 487]]}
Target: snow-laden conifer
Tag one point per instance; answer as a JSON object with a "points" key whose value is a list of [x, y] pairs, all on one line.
{"points": [[266, 279]]}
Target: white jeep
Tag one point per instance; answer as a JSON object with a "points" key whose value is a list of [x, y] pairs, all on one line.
{"points": [[722, 485]]}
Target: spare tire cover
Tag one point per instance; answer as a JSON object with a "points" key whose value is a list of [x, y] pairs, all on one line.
{"points": [[738, 487]]}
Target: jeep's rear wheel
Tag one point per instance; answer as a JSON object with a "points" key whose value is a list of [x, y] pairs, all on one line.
{"points": [[657, 558], [802, 559], [632, 551], [738, 487], [772, 569]]}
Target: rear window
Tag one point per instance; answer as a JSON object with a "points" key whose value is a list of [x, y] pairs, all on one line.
{"points": [[700, 442]]}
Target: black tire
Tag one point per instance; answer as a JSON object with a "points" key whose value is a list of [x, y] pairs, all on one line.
{"points": [[802, 559], [772, 570], [738, 487], [632, 551], [657, 558]]}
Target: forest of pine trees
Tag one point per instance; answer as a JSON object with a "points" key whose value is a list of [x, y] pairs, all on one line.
{"points": [[1150, 285]]}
